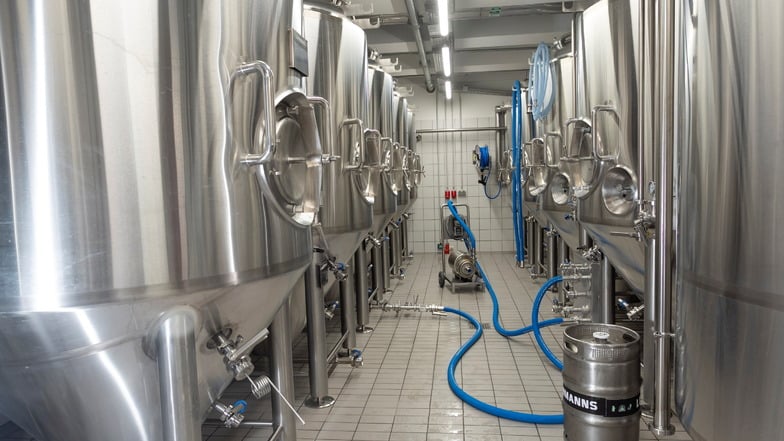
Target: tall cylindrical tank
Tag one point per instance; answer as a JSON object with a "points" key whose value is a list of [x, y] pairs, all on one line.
{"points": [[381, 87], [337, 50], [400, 154], [601, 383], [557, 196], [145, 201], [610, 65], [729, 278]]}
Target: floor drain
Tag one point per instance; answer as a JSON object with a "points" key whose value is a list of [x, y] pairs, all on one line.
{"points": [[487, 325]]}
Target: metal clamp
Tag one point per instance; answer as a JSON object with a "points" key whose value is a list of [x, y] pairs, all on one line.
{"points": [[231, 415]]}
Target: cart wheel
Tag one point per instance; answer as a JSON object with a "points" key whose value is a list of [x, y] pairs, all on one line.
{"points": [[441, 279]]}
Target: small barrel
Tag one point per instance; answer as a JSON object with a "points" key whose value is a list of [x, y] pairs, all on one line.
{"points": [[601, 383]]}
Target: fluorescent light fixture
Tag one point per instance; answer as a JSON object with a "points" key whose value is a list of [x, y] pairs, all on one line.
{"points": [[443, 17], [448, 89], [446, 60]]}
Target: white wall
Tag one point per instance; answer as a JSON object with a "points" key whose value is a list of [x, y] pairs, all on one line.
{"points": [[447, 162]]}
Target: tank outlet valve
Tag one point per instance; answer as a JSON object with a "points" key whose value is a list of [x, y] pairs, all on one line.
{"points": [[235, 352], [326, 159], [231, 415], [330, 309]]}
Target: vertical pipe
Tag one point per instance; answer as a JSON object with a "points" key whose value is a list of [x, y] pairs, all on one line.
{"points": [[397, 252], [177, 376], [649, 348], [563, 256], [378, 271], [529, 242], [585, 238], [552, 254], [386, 264], [282, 367], [666, 95], [404, 237], [608, 292], [317, 339], [348, 319], [538, 249], [363, 303]]}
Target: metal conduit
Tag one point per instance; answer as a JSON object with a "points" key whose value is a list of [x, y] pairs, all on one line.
{"points": [[414, 22]]}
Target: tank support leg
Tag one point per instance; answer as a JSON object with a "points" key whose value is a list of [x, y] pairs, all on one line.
{"points": [[317, 340], [282, 370], [176, 351], [363, 302]]}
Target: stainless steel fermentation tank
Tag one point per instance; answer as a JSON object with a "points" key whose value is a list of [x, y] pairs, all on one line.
{"points": [[729, 278], [370, 277], [558, 205], [608, 186], [146, 208], [337, 52], [402, 181]]}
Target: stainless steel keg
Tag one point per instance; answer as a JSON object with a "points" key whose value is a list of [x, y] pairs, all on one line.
{"points": [[601, 383]]}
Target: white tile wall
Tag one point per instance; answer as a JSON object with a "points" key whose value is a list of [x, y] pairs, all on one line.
{"points": [[447, 162]]}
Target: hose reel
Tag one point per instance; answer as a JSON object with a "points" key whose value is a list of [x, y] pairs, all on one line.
{"points": [[481, 160]]}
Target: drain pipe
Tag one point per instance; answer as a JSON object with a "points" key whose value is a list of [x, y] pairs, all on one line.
{"points": [[414, 22]]}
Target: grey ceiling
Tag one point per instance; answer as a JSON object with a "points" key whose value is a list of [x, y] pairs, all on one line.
{"points": [[488, 52]]}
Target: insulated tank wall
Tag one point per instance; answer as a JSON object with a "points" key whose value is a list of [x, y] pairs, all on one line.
{"points": [[125, 197], [730, 303]]}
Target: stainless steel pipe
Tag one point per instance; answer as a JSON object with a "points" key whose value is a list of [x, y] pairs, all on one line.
{"points": [[176, 351], [563, 256], [363, 301], [538, 268], [348, 318], [386, 260], [666, 95], [397, 253], [282, 374], [413, 21], [317, 339], [461, 130], [552, 254], [647, 395], [608, 292]]}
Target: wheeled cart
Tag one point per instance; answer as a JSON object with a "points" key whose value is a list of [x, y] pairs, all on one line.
{"points": [[463, 263]]}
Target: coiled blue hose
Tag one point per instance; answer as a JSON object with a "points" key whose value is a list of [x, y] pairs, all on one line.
{"points": [[541, 75]]}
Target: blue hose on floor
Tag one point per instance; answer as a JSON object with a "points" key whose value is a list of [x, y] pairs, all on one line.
{"points": [[481, 405], [536, 326]]}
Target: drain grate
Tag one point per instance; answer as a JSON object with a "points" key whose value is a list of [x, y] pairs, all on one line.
{"points": [[487, 325]]}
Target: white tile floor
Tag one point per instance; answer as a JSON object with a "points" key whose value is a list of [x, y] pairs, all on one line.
{"points": [[401, 393]]}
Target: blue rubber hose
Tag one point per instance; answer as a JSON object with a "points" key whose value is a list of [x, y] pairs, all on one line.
{"points": [[537, 326], [479, 404]]}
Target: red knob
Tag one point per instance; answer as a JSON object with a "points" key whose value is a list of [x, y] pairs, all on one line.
{"points": [[446, 248]]}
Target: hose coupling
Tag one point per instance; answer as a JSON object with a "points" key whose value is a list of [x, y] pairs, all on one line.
{"points": [[231, 415]]}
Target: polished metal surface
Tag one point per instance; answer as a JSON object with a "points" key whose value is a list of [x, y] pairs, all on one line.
{"points": [[399, 171], [462, 264], [141, 174], [380, 88], [601, 369], [557, 200], [282, 374], [607, 203], [729, 278], [337, 51]]}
